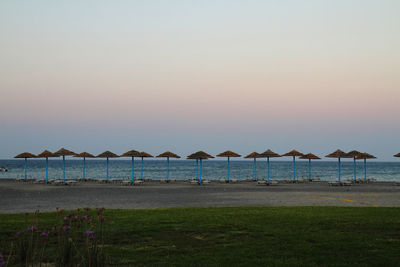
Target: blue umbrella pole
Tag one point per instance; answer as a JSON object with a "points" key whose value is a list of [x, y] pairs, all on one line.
{"points": [[255, 170], [201, 168], [355, 169], [365, 169], [26, 166], [47, 169], [267, 170], [133, 169], [107, 170], [197, 169], [339, 170], [141, 170], [63, 169], [167, 169], [309, 169], [84, 168], [227, 175], [294, 169]]}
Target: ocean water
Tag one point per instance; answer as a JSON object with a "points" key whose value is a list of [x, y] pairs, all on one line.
{"points": [[212, 169]]}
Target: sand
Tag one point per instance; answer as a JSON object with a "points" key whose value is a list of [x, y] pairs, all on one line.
{"points": [[16, 197]]}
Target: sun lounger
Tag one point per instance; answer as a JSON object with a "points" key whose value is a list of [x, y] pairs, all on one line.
{"points": [[273, 182], [194, 182], [315, 179], [288, 180], [334, 183], [222, 180], [147, 179], [233, 181], [261, 182], [137, 182], [126, 182], [205, 182]]}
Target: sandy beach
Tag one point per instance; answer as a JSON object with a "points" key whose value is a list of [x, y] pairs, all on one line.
{"points": [[26, 197]]}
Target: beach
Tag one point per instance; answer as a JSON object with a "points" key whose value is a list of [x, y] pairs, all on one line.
{"points": [[17, 197]]}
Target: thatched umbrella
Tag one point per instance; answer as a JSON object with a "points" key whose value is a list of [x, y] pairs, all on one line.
{"points": [[337, 154], [254, 156], [269, 154], [365, 156], [353, 154], [84, 155], [47, 154], [309, 156], [26, 156], [132, 154], [294, 154], [199, 156], [228, 154], [168, 155], [64, 152], [143, 155], [107, 154], [397, 155]]}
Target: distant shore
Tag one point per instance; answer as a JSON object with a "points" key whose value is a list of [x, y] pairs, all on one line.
{"points": [[19, 197]]}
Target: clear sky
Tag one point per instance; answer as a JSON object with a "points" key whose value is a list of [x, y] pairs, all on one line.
{"points": [[187, 75]]}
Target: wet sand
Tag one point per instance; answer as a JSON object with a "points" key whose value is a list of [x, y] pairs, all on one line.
{"points": [[18, 197]]}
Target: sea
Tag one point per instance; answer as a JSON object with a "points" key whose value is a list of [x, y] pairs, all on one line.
{"points": [[212, 169]]}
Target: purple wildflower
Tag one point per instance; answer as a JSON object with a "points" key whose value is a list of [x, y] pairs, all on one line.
{"points": [[66, 228], [44, 235], [2, 262], [101, 218], [75, 218], [32, 228], [70, 214], [65, 219], [91, 234]]}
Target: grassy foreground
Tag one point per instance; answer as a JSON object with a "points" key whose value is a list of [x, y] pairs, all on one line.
{"points": [[308, 236]]}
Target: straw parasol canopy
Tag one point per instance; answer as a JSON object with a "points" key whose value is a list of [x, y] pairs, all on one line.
{"points": [[293, 153], [397, 155], [337, 154], [200, 155], [107, 154], [168, 154], [131, 153], [145, 155], [253, 155], [352, 154], [270, 154], [84, 155], [46, 154], [64, 152], [309, 156], [229, 154], [25, 155], [365, 155]]}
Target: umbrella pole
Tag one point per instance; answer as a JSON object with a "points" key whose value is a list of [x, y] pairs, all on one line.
{"points": [[197, 169], [25, 166], [107, 170], [339, 169], [63, 169], [228, 171], [309, 169], [167, 169], [47, 169], [294, 169], [255, 170], [355, 169], [201, 167], [84, 169], [141, 170], [267, 170], [133, 169], [365, 169]]}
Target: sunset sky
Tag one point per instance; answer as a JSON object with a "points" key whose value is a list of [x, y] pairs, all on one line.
{"points": [[188, 75]]}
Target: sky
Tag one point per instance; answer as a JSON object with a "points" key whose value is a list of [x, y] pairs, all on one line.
{"points": [[200, 75]]}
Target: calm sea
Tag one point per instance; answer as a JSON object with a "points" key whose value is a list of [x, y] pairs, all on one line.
{"points": [[184, 169]]}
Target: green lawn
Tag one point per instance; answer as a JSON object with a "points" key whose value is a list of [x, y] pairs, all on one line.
{"points": [[307, 236]]}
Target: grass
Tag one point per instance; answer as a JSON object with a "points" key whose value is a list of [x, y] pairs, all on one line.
{"points": [[274, 236]]}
